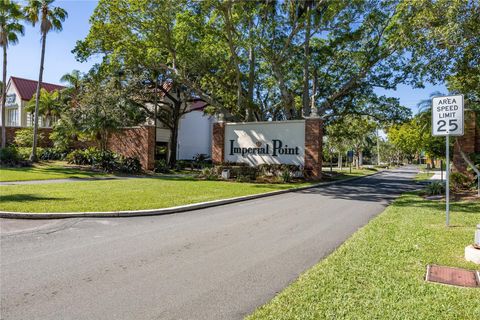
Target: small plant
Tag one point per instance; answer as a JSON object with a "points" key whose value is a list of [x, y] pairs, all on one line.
{"points": [[209, 174], [286, 176], [435, 188], [161, 166], [243, 178], [130, 165], [52, 154], [459, 181]]}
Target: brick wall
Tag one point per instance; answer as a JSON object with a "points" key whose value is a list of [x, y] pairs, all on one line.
{"points": [[218, 142], [135, 142], [45, 142], [468, 142], [313, 147]]}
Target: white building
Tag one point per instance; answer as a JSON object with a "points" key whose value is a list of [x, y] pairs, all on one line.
{"points": [[19, 92]]}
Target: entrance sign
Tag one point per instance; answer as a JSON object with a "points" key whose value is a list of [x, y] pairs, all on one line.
{"points": [[447, 120], [265, 142], [447, 116]]}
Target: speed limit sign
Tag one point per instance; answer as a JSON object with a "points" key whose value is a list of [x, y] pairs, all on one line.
{"points": [[447, 116], [447, 120]]}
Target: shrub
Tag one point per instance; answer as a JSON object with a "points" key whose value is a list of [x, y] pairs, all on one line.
{"points": [[78, 157], [237, 170], [10, 157], [459, 181], [105, 160], [130, 165], [286, 176], [435, 188], [243, 178], [161, 166], [209, 174], [52, 154], [24, 137]]}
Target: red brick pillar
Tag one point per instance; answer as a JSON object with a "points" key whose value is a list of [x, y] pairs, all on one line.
{"points": [[466, 142], [313, 147], [218, 143]]}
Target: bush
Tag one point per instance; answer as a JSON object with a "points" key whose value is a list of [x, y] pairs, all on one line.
{"points": [[24, 137], [435, 188], [237, 171], [286, 176], [242, 178], [459, 181], [130, 165], [209, 174], [79, 157], [52, 154], [10, 157], [161, 166]]}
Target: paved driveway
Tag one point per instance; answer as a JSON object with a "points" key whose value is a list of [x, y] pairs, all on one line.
{"points": [[216, 263]]}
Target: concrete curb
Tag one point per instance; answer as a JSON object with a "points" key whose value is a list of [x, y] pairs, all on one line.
{"points": [[171, 210]]}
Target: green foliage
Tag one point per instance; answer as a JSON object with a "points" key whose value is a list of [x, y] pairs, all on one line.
{"points": [[435, 188], [130, 165], [49, 105], [161, 166], [238, 170], [24, 137], [10, 157], [52, 154], [286, 176], [106, 161], [460, 182]]}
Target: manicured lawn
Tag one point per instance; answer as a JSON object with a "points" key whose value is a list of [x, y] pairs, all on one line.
{"points": [[345, 172], [379, 272], [44, 171], [131, 194], [424, 176]]}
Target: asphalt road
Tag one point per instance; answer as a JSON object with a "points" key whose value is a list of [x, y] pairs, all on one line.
{"points": [[216, 263]]}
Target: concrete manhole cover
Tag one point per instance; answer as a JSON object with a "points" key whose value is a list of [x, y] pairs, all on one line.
{"points": [[453, 276]]}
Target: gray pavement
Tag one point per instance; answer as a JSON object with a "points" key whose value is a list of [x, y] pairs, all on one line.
{"points": [[215, 263]]}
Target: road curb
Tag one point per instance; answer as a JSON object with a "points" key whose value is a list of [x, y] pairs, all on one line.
{"points": [[163, 211]]}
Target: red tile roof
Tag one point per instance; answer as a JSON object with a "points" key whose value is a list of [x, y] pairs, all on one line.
{"points": [[26, 88]]}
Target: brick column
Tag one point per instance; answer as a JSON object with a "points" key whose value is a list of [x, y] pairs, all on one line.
{"points": [[218, 143], [467, 143], [313, 147]]}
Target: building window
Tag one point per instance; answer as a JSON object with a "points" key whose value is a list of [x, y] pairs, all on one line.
{"points": [[12, 117]]}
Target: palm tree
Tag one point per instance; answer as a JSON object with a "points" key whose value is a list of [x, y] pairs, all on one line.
{"points": [[74, 81], [49, 105], [10, 28], [50, 18]]}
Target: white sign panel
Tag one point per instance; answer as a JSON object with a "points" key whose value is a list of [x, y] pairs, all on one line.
{"points": [[447, 116], [265, 142]]}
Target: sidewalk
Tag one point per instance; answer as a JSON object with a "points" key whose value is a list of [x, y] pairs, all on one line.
{"points": [[438, 176]]}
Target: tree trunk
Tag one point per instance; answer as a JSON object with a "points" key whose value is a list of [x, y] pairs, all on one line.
{"points": [[4, 96], [360, 158], [432, 162], [340, 160], [306, 63], [33, 155], [251, 75], [172, 156]]}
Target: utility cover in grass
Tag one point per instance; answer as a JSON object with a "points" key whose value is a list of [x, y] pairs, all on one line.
{"points": [[453, 276]]}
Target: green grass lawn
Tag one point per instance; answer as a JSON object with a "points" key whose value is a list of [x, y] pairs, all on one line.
{"points": [[379, 272], [345, 172], [44, 171], [424, 176], [131, 194]]}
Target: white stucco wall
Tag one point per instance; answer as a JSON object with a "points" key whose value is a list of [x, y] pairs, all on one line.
{"points": [[194, 135], [252, 140]]}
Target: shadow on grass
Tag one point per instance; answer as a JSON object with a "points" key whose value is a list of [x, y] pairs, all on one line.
{"points": [[27, 197], [415, 201]]}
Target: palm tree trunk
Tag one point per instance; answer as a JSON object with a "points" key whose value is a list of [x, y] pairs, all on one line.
{"points": [[4, 96], [33, 155], [306, 62]]}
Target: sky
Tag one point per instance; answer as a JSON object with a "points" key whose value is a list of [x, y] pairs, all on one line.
{"points": [[24, 58]]}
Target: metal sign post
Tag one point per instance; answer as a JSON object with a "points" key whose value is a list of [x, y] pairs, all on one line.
{"points": [[447, 120]]}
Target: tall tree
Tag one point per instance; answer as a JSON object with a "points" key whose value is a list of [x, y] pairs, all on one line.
{"points": [[10, 28], [49, 105], [50, 18]]}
